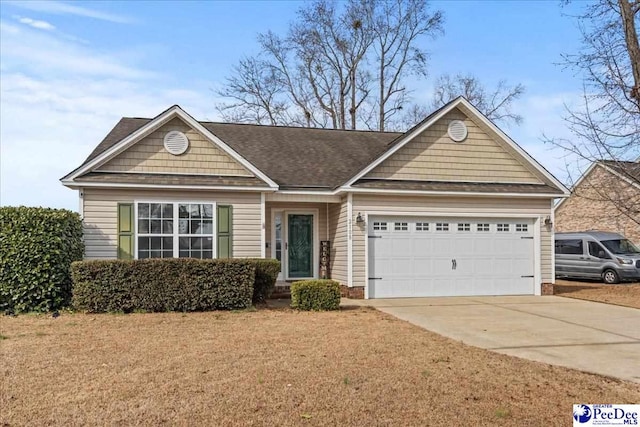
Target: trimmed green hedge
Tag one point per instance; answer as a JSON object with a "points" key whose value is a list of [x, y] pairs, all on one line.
{"points": [[37, 247], [315, 295], [267, 271], [177, 284]]}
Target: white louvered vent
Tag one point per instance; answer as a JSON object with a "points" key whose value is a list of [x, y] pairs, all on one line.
{"points": [[457, 130], [176, 142]]}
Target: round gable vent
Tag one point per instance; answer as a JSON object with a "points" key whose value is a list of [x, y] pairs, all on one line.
{"points": [[176, 142], [457, 130]]}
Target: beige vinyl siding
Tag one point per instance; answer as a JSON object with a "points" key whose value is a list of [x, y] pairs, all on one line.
{"points": [[100, 217], [433, 156], [448, 206], [338, 238], [149, 155], [297, 207]]}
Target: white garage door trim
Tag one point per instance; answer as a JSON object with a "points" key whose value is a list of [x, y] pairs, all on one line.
{"points": [[441, 214]]}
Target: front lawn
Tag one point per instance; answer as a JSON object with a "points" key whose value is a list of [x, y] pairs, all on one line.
{"points": [[627, 294], [356, 367]]}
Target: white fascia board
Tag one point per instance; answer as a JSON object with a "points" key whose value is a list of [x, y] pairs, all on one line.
{"points": [[153, 125], [480, 116], [74, 184]]}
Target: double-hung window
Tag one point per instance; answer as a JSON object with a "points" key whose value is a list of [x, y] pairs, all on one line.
{"points": [[175, 229]]}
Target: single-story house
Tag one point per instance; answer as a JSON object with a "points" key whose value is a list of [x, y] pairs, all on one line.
{"points": [[451, 207], [606, 197]]}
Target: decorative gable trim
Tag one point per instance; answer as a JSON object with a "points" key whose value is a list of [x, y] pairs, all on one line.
{"points": [[152, 126], [417, 130]]}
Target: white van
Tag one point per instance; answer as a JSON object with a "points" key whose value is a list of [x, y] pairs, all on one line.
{"points": [[597, 255]]}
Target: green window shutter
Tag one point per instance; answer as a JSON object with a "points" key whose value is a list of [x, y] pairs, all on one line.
{"points": [[224, 231], [125, 231]]}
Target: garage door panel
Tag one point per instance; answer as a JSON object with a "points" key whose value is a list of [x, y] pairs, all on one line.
{"points": [[422, 268], [441, 244], [415, 261], [422, 245], [402, 267]]}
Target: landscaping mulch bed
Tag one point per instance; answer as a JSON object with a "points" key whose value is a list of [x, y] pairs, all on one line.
{"points": [[270, 367], [626, 294]]}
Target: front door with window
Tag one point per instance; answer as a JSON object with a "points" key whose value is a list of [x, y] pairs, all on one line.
{"points": [[300, 245]]}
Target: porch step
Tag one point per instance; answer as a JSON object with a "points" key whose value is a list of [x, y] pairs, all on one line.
{"points": [[282, 290]]}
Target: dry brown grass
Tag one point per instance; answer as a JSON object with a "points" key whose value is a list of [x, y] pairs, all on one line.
{"points": [[274, 367], [627, 294]]}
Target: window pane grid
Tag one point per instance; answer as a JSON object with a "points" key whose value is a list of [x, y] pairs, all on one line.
{"points": [[502, 227], [401, 226], [155, 219], [422, 226], [442, 226], [482, 227], [195, 219], [380, 226], [155, 232], [522, 228], [464, 227]]}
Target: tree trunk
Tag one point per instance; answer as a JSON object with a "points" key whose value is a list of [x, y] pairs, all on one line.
{"points": [[352, 110], [633, 47], [381, 99]]}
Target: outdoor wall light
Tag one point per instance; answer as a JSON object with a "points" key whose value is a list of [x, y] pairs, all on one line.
{"points": [[547, 221], [359, 218]]}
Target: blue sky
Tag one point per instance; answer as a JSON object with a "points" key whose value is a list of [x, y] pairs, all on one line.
{"points": [[69, 71]]}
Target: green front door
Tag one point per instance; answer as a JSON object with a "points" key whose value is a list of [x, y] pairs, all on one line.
{"points": [[300, 243]]}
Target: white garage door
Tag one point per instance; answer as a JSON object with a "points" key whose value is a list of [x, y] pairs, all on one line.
{"points": [[419, 257]]}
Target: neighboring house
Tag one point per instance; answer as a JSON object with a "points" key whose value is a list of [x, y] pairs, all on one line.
{"points": [[451, 207], [605, 198]]}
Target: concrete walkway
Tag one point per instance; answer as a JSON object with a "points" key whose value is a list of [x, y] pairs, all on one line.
{"points": [[589, 336]]}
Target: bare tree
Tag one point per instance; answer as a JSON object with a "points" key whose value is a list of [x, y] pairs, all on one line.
{"points": [[606, 123], [397, 26], [496, 103], [254, 90], [324, 67]]}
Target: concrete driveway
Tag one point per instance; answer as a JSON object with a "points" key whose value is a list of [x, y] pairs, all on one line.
{"points": [[589, 336]]}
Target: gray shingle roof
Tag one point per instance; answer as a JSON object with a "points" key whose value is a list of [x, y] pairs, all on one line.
{"points": [[171, 179], [475, 187]]}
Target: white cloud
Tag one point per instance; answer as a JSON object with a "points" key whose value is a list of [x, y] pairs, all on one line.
{"points": [[57, 106], [41, 52], [61, 8], [35, 23]]}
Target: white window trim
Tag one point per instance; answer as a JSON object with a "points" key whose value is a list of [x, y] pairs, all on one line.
{"points": [[272, 244], [176, 234]]}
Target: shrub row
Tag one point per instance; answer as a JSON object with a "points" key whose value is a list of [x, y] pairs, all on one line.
{"points": [[315, 295], [182, 284], [37, 247]]}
